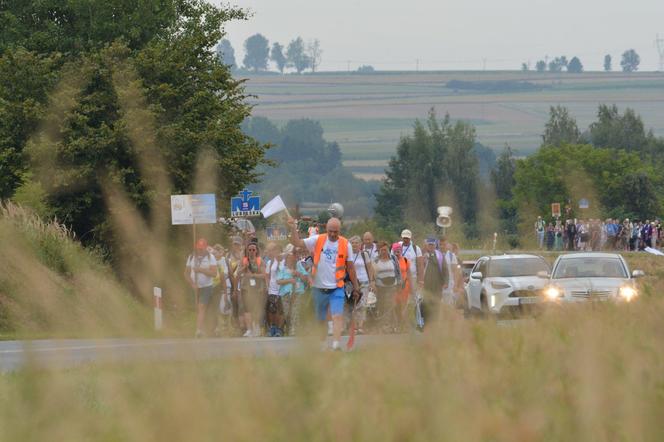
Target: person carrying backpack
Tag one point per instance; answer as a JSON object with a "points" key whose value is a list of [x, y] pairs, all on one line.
{"points": [[388, 282], [200, 271]]}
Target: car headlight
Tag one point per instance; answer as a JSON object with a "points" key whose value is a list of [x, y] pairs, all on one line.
{"points": [[553, 293], [499, 285], [627, 293]]}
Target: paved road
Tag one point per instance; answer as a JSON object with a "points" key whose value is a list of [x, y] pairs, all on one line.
{"points": [[15, 355]]}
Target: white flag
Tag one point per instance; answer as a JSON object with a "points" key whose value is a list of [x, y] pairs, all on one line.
{"points": [[275, 205]]}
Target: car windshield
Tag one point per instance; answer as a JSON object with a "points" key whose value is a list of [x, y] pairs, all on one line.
{"points": [[517, 267], [590, 268]]}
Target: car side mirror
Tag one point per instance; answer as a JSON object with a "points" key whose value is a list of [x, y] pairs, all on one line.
{"points": [[638, 274], [543, 274], [476, 275]]}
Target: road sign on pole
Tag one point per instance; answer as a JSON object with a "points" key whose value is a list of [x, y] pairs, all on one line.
{"points": [[555, 210], [245, 205]]}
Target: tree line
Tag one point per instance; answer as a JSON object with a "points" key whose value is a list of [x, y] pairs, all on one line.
{"points": [[629, 63], [297, 55], [104, 99], [616, 164]]}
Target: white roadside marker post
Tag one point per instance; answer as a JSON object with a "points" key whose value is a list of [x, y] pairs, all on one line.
{"points": [[158, 315]]}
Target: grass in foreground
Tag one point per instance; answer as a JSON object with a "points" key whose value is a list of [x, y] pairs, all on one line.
{"points": [[589, 373]]}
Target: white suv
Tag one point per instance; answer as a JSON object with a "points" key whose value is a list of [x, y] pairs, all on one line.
{"points": [[506, 282]]}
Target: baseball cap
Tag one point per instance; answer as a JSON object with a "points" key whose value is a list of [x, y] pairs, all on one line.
{"points": [[237, 240], [396, 246], [201, 244], [431, 240], [406, 234]]}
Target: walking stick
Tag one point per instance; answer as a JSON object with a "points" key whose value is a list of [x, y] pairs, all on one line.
{"points": [[351, 335]]}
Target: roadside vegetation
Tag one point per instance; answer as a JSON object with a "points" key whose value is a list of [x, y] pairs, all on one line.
{"points": [[51, 286], [594, 372]]}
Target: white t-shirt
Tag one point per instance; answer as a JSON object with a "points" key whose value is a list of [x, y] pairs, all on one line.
{"points": [[205, 262], [411, 252], [326, 272], [372, 251], [272, 270], [360, 268]]}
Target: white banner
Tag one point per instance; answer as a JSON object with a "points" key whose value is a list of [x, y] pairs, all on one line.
{"points": [[193, 209]]}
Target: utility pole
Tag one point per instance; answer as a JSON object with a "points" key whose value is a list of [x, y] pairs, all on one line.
{"points": [[659, 42]]}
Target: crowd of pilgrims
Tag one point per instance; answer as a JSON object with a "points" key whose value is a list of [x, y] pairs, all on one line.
{"points": [[250, 290]]}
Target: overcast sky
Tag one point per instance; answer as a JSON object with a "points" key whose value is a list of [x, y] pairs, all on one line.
{"points": [[457, 34]]}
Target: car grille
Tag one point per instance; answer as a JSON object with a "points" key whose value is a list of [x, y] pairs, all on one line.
{"points": [[601, 294], [524, 293]]}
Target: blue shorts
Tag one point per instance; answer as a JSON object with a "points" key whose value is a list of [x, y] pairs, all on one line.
{"points": [[332, 298]]}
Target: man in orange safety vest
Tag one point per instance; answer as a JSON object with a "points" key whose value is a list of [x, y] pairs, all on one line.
{"points": [[332, 262]]}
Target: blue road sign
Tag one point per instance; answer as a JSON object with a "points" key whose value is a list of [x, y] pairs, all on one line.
{"points": [[245, 205]]}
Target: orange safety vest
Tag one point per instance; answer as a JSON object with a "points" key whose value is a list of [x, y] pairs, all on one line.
{"points": [[245, 261], [342, 256]]}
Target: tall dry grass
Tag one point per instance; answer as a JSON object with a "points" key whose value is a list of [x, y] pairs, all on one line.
{"points": [[50, 285], [589, 373]]}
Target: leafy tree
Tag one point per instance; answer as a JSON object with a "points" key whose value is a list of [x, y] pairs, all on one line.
{"points": [[540, 66], [607, 63], [262, 130], [123, 80], [75, 27], [94, 151], [630, 61], [569, 172], [618, 131], [502, 178], [25, 80], [257, 50], [315, 54], [436, 160], [486, 160], [575, 66], [296, 55], [366, 69], [307, 167], [561, 128], [525, 67], [557, 64], [278, 57], [502, 175], [226, 53], [303, 140], [643, 199]]}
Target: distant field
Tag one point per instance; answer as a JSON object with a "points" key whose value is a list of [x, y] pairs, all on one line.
{"points": [[367, 114]]}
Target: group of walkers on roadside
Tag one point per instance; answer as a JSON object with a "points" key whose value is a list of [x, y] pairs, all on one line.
{"points": [[353, 284], [598, 235]]}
